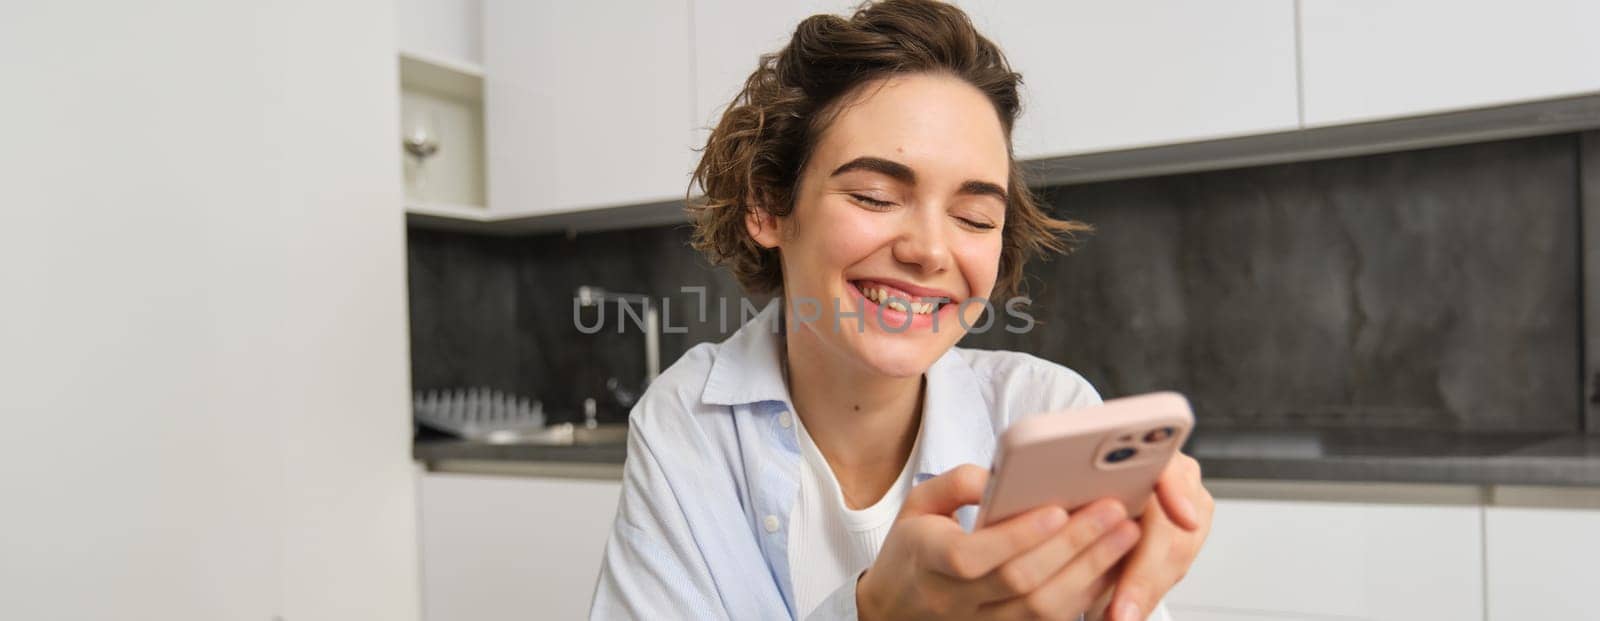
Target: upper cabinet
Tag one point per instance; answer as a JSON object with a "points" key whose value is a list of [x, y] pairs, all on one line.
{"points": [[445, 31], [592, 113], [1374, 59], [1097, 75], [587, 104], [1102, 76], [731, 36]]}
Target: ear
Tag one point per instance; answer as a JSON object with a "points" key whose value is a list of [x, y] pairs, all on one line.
{"points": [[762, 225]]}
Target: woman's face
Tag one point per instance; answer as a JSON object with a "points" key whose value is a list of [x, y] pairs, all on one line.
{"points": [[902, 202]]}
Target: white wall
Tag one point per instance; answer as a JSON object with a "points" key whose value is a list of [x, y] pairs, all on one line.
{"points": [[203, 376]]}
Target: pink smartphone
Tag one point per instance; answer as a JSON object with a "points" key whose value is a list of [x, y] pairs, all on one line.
{"points": [[1074, 457]]}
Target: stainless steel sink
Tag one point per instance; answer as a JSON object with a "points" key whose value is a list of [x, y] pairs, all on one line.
{"points": [[564, 434]]}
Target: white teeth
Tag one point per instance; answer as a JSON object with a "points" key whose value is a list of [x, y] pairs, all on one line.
{"points": [[882, 296]]}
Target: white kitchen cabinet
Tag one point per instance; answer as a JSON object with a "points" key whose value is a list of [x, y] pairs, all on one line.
{"points": [[730, 38], [586, 104], [1347, 560], [1113, 75], [1542, 562], [1374, 59], [588, 107], [511, 547], [444, 30], [1097, 75]]}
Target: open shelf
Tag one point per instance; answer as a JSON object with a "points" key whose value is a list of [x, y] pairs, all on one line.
{"points": [[443, 98], [448, 210], [419, 71]]}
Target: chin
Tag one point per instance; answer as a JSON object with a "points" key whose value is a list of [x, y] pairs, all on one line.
{"points": [[899, 359]]}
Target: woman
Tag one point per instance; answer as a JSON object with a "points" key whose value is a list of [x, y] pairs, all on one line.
{"points": [[823, 460]]}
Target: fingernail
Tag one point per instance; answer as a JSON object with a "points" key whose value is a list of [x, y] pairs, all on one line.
{"points": [[1128, 611], [1052, 519]]}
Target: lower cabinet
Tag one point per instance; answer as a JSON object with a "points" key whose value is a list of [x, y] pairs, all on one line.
{"points": [[521, 547], [1544, 563], [1293, 560], [511, 547]]}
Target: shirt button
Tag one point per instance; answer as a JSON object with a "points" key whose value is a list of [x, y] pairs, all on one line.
{"points": [[770, 523], [785, 420]]}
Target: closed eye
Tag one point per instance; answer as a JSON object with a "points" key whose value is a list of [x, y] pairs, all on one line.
{"points": [[985, 226], [870, 201]]}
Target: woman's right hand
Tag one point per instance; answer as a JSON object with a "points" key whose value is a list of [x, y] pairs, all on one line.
{"points": [[1038, 565]]}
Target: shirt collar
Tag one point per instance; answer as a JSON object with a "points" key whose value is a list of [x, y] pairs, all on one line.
{"points": [[956, 422], [747, 368]]}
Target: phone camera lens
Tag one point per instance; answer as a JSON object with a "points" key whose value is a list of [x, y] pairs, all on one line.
{"points": [[1121, 454], [1158, 435]]}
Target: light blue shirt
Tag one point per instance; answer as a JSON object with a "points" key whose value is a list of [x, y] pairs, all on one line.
{"points": [[713, 468]]}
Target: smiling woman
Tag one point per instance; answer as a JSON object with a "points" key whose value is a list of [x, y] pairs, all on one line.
{"points": [[822, 461], [761, 145]]}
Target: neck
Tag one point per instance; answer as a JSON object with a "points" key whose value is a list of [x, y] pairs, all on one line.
{"points": [[863, 422]]}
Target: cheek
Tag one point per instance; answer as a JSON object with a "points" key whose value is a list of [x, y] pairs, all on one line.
{"points": [[979, 260], [846, 235]]}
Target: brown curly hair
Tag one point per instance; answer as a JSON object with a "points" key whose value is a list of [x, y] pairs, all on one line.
{"points": [[754, 156]]}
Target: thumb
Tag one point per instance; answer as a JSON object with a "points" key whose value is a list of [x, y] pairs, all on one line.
{"points": [[942, 495]]}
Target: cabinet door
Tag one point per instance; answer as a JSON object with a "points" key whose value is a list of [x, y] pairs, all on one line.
{"points": [[448, 30], [1542, 562], [731, 36], [586, 104], [502, 547], [1288, 559], [1372, 59], [1112, 75]]}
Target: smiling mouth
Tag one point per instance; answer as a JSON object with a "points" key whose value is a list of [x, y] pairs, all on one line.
{"points": [[895, 299]]}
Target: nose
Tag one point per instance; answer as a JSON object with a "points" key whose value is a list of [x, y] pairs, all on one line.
{"points": [[922, 244]]}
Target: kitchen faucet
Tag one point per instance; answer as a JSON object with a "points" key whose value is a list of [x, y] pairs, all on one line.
{"points": [[595, 296]]}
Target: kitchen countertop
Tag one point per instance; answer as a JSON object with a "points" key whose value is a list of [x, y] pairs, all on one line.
{"points": [[438, 449], [1400, 456], [1396, 456]]}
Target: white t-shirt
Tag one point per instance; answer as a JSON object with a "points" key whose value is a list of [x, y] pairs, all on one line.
{"points": [[829, 543]]}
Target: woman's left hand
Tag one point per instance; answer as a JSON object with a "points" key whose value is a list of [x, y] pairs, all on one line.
{"points": [[1174, 529]]}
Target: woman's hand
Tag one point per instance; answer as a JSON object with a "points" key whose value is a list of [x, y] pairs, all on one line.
{"points": [[1174, 528], [1038, 565]]}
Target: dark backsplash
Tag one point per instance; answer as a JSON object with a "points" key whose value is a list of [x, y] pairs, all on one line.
{"points": [[1430, 289]]}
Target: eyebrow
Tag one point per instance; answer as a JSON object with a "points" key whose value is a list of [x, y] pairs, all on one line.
{"points": [[904, 174]]}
